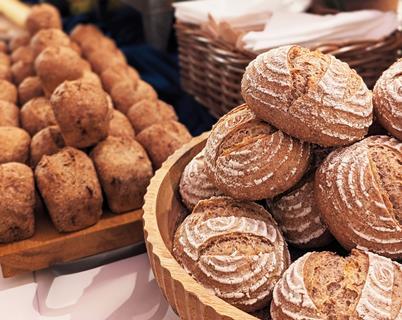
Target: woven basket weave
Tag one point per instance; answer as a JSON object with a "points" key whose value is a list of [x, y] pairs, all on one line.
{"points": [[211, 71]]}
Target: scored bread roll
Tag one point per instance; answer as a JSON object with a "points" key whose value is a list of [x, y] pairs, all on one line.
{"points": [[14, 145], [387, 98], [358, 192], [8, 91], [195, 184], [322, 285], [17, 202], [47, 141], [309, 95], [43, 16], [29, 88], [248, 159], [233, 248], [36, 115], [124, 171], [82, 112], [49, 38], [9, 114], [120, 126], [70, 189]]}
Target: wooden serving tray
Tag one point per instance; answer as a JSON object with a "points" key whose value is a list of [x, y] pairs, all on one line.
{"points": [[48, 246]]}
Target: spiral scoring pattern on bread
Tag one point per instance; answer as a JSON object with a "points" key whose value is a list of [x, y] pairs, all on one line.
{"points": [[248, 159], [308, 95], [353, 199]]}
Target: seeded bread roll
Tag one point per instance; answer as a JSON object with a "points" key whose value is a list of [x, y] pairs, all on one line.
{"points": [[298, 217], [17, 202], [124, 171], [58, 64], [82, 113], [387, 98], [358, 192], [70, 189], [43, 16], [103, 59], [120, 126], [309, 95], [14, 145], [49, 38], [47, 141], [9, 114], [8, 92], [322, 285], [29, 88], [36, 115], [233, 248], [124, 94], [21, 70], [248, 159], [162, 140], [19, 40], [119, 73], [195, 185], [148, 112]]}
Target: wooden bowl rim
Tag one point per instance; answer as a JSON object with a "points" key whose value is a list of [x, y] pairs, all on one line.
{"points": [[159, 249]]}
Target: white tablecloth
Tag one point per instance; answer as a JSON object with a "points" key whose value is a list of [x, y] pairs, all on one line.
{"points": [[121, 290]]}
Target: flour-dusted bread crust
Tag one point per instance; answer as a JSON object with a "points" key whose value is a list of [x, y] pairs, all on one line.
{"points": [[299, 219], [249, 159], [47, 141], [70, 189], [43, 16], [82, 112], [322, 285], [29, 88], [195, 184], [9, 114], [387, 98], [8, 91], [234, 248], [309, 95], [124, 171], [17, 202], [358, 191], [36, 115], [120, 126], [14, 145]]}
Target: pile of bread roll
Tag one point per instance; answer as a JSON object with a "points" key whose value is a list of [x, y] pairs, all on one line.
{"points": [[300, 145], [76, 123]]}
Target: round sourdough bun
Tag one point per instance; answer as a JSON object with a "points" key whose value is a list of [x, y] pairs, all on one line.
{"points": [[120, 126], [119, 73], [21, 70], [48, 141], [23, 53], [19, 40], [84, 33], [103, 59], [233, 248], [248, 159], [195, 184], [9, 114], [358, 192], [49, 38], [14, 145], [299, 219], [70, 189], [322, 285], [29, 88], [43, 16], [387, 98], [36, 115], [8, 91], [17, 202], [309, 95]]}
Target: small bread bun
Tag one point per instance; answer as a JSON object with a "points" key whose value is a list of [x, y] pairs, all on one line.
{"points": [[8, 91], [9, 114], [309, 95], [43, 16], [97, 44], [124, 171], [119, 73], [17, 202], [19, 40], [70, 189], [49, 38], [36, 115], [233, 248], [82, 112], [5, 73], [82, 33], [5, 59], [322, 285], [14, 145], [103, 59], [23, 53], [387, 97], [29, 88], [163, 139], [22, 70], [120, 126], [248, 159], [47, 141], [358, 192], [3, 47]]}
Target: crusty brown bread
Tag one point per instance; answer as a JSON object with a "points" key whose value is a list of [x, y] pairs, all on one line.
{"points": [[8, 91], [5, 73], [119, 73], [42, 16], [21, 70], [23, 53], [84, 33], [49, 38], [162, 140], [309, 95], [30, 87], [70, 189], [124, 171], [47, 141], [103, 59], [19, 40], [5, 59], [17, 202], [148, 112], [322, 285], [82, 112], [3, 47], [358, 192], [234, 248], [195, 184], [387, 98], [14, 145], [96, 43], [249, 159], [36, 115], [9, 114], [120, 126]]}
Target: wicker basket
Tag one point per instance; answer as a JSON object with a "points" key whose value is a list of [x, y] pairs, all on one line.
{"points": [[211, 71]]}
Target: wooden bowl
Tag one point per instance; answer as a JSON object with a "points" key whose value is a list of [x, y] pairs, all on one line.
{"points": [[163, 212]]}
